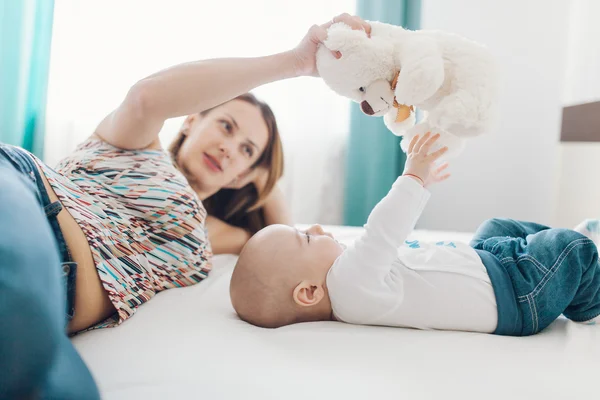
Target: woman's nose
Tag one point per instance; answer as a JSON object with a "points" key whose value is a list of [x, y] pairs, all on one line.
{"points": [[225, 149]]}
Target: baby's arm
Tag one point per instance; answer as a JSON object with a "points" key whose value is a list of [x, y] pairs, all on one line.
{"points": [[360, 283], [362, 272], [388, 225], [396, 215]]}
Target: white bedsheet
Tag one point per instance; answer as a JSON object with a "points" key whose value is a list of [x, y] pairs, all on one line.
{"points": [[189, 344]]}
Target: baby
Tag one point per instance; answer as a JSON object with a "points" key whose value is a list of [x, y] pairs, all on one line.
{"points": [[514, 278]]}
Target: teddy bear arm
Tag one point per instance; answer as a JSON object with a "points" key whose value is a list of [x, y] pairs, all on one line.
{"points": [[421, 73]]}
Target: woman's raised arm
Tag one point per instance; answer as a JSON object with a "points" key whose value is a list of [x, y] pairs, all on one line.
{"points": [[196, 86]]}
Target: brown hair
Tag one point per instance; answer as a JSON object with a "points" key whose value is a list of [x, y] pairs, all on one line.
{"points": [[243, 207]]}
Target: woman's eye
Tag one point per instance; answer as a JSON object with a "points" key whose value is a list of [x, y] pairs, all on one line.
{"points": [[248, 151], [361, 89], [228, 127]]}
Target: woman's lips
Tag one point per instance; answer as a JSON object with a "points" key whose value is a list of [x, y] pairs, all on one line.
{"points": [[212, 163]]}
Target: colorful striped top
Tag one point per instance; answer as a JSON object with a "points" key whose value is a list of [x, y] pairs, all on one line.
{"points": [[144, 223]]}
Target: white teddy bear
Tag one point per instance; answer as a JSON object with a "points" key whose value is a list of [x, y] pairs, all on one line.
{"points": [[451, 78]]}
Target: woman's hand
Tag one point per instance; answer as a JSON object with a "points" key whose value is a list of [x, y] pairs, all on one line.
{"points": [[274, 206], [225, 238], [258, 176], [419, 161], [305, 52]]}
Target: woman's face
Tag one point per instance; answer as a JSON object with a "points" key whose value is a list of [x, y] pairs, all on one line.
{"points": [[222, 145]]}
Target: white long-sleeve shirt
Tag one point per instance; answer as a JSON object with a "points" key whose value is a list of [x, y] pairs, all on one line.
{"points": [[384, 280]]}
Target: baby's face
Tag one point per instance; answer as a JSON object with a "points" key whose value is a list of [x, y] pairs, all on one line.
{"points": [[281, 275], [319, 244], [312, 249]]}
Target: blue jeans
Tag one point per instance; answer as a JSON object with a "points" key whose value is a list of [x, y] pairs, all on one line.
{"points": [[552, 271], [37, 278]]}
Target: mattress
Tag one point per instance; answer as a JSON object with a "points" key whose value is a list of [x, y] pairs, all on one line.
{"points": [[189, 344]]}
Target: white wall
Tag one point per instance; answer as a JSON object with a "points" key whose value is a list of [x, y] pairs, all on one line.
{"points": [[582, 83], [579, 184], [579, 181], [513, 171]]}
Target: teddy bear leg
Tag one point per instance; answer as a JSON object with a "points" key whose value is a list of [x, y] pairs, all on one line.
{"points": [[398, 128], [454, 143]]}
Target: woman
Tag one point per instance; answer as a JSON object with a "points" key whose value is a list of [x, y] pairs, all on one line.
{"points": [[118, 222], [207, 149]]}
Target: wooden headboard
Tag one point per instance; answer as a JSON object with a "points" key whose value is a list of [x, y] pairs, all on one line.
{"points": [[581, 123]]}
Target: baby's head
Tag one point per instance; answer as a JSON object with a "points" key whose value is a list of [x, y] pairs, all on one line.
{"points": [[280, 276]]}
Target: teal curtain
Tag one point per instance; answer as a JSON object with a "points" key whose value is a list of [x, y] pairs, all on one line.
{"points": [[374, 158], [25, 37]]}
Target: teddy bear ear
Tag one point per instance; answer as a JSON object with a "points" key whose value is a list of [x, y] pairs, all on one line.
{"points": [[341, 37]]}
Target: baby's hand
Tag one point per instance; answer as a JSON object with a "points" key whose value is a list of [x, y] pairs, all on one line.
{"points": [[419, 162], [435, 175]]}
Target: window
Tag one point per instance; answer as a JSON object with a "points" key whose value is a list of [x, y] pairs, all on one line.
{"points": [[100, 49]]}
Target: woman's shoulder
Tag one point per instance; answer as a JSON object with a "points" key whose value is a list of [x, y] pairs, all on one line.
{"points": [[97, 161], [94, 150], [146, 180], [96, 143]]}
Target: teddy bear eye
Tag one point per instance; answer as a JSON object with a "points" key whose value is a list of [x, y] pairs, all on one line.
{"points": [[361, 89]]}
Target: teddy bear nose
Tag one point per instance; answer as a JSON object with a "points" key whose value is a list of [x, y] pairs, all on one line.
{"points": [[366, 108]]}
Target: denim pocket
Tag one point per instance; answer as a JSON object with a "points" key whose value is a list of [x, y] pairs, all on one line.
{"points": [[69, 271]]}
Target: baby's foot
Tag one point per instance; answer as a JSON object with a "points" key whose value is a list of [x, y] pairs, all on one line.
{"points": [[591, 229]]}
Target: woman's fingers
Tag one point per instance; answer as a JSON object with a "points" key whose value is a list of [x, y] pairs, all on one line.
{"points": [[318, 33], [364, 25], [354, 22], [345, 18]]}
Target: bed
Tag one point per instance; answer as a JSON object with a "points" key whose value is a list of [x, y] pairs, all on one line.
{"points": [[188, 343]]}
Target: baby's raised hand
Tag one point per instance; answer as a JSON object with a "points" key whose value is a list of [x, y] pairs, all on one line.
{"points": [[436, 175], [419, 162]]}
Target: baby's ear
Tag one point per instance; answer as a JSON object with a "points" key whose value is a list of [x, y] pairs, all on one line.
{"points": [[342, 38], [308, 294]]}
